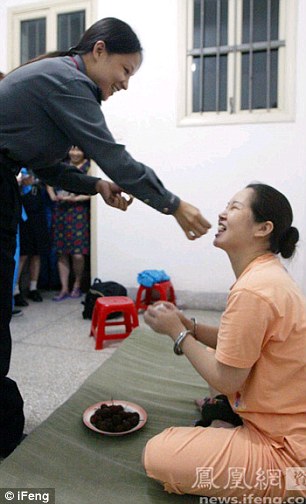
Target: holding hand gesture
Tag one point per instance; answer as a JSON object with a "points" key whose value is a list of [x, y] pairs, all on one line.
{"points": [[191, 221], [112, 195], [164, 318]]}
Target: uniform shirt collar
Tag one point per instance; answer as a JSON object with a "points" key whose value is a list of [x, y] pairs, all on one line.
{"points": [[81, 66]]}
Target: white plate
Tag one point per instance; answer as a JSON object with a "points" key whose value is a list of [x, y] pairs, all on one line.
{"points": [[127, 406]]}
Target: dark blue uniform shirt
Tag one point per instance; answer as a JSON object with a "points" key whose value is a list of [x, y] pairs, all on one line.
{"points": [[51, 104]]}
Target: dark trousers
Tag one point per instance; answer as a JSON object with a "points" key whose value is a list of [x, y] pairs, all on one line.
{"points": [[11, 402]]}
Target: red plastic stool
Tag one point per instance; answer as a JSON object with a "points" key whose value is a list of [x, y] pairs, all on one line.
{"points": [[144, 294], [110, 304]]}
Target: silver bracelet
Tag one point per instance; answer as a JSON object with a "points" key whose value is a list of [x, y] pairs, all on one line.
{"points": [[195, 326], [177, 344]]}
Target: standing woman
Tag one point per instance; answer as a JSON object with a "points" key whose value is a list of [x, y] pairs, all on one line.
{"points": [[71, 230], [47, 106]]}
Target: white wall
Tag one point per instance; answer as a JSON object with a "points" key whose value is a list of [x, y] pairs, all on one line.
{"points": [[203, 165]]}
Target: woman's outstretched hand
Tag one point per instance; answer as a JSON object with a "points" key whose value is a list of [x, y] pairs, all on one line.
{"points": [[112, 195], [191, 221]]}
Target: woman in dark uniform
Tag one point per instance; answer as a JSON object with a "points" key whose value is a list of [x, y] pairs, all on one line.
{"points": [[45, 107]]}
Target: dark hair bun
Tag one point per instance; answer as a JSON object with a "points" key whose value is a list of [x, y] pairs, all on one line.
{"points": [[288, 242]]}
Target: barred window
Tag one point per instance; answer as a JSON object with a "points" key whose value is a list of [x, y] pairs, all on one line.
{"points": [[32, 38], [70, 27], [236, 55], [56, 25]]}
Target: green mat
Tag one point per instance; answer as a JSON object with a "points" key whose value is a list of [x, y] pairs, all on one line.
{"points": [[85, 467]]}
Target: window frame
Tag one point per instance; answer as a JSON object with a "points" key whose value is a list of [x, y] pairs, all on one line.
{"points": [[49, 10], [286, 71]]}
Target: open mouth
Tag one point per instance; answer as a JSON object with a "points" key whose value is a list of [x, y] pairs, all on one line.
{"points": [[115, 89], [221, 228]]}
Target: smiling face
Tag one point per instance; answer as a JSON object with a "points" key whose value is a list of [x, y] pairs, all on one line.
{"points": [[111, 71], [76, 155], [237, 229]]}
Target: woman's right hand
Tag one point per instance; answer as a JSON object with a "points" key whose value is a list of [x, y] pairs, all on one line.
{"points": [[191, 220], [112, 195]]}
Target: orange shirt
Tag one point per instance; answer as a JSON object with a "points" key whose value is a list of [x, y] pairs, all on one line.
{"points": [[264, 327]]}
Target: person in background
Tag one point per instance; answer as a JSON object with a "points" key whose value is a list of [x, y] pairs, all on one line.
{"points": [[16, 312], [256, 358], [34, 238], [63, 92], [48, 276], [71, 230]]}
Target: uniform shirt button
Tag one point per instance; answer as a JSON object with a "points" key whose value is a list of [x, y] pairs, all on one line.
{"points": [[147, 200], [166, 210]]}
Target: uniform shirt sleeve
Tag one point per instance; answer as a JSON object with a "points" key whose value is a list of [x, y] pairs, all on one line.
{"points": [[76, 110], [67, 177], [243, 329]]}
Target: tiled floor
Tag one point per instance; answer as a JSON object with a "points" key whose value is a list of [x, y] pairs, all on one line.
{"points": [[53, 354]]}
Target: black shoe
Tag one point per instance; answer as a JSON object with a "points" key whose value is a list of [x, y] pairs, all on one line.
{"points": [[17, 313], [34, 295], [20, 301]]}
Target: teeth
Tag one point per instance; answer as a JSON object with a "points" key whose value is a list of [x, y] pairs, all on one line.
{"points": [[221, 228]]}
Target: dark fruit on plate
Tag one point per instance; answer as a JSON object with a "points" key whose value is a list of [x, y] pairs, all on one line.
{"points": [[114, 418]]}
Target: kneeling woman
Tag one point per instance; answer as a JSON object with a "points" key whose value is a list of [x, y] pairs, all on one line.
{"points": [[258, 361]]}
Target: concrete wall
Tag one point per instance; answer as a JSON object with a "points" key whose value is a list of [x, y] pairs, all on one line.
{"points": [[203, 165]]}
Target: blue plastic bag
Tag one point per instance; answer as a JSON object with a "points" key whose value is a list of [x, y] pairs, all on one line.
{"points": [[148, 278]]}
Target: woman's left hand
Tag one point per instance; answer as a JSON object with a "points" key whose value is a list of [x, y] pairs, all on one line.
{"points": [[163, 320], [112, 195], [191, 220]]}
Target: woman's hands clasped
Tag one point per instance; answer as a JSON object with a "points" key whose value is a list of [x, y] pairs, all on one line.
{"points": [[165, 318], [112, 195]]}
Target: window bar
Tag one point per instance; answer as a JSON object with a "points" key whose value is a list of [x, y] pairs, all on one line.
{"points": [[201, 78], [251, 56], [233, 103], [218, 40], [268, 62], [257, 46], [36, 38], [24, 44], [69, 31]]}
